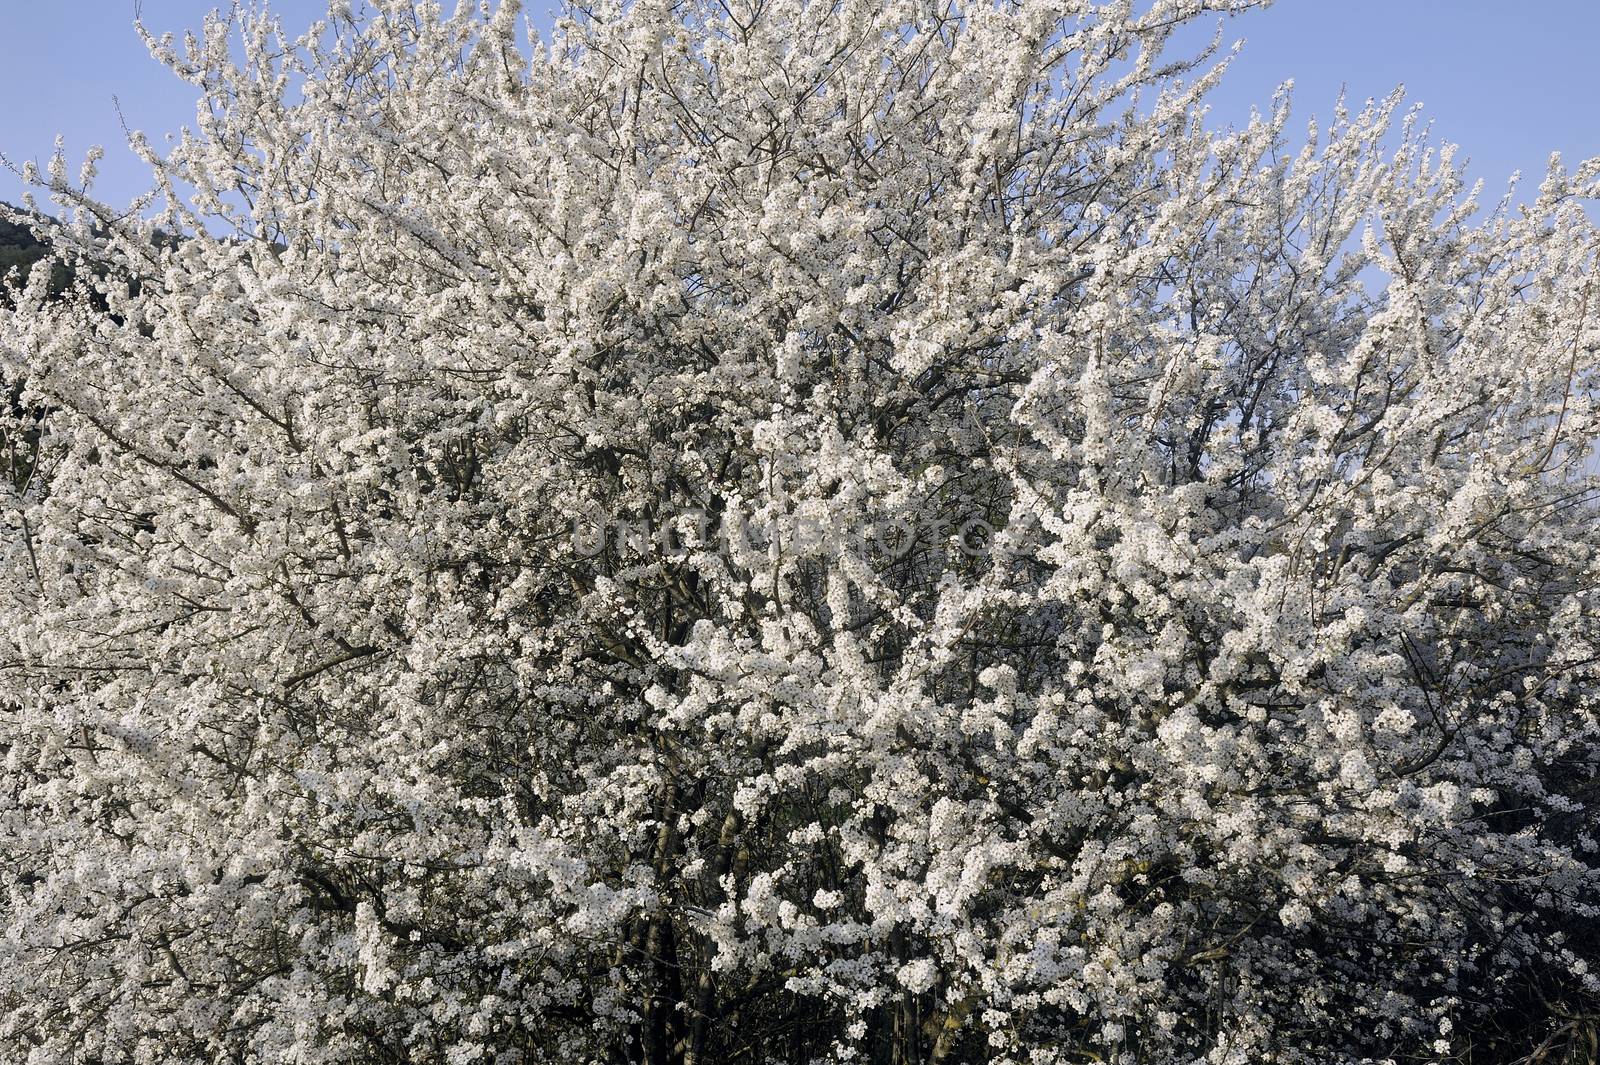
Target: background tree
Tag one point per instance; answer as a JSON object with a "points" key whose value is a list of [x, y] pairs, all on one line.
{"points": [[1129, 591]]}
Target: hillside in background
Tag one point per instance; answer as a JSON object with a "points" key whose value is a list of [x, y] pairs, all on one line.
{"points": [[18, 247]]}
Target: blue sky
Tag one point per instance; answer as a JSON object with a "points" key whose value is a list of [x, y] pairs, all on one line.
{"points": [[1509, 82]]}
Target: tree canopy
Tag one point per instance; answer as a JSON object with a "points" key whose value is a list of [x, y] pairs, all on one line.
{"points": [[781, 532]]}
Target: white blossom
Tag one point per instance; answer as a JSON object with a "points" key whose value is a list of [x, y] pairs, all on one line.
{"points": [[1262, 728]]}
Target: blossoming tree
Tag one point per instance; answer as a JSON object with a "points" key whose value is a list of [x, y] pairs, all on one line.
{"points": [[1079, 585]]}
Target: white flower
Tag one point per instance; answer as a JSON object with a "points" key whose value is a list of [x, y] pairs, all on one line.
{"points": [[918, 976]]}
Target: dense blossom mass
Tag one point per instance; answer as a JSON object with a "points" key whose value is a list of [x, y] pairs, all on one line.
{"points": [[1091, 587]]}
